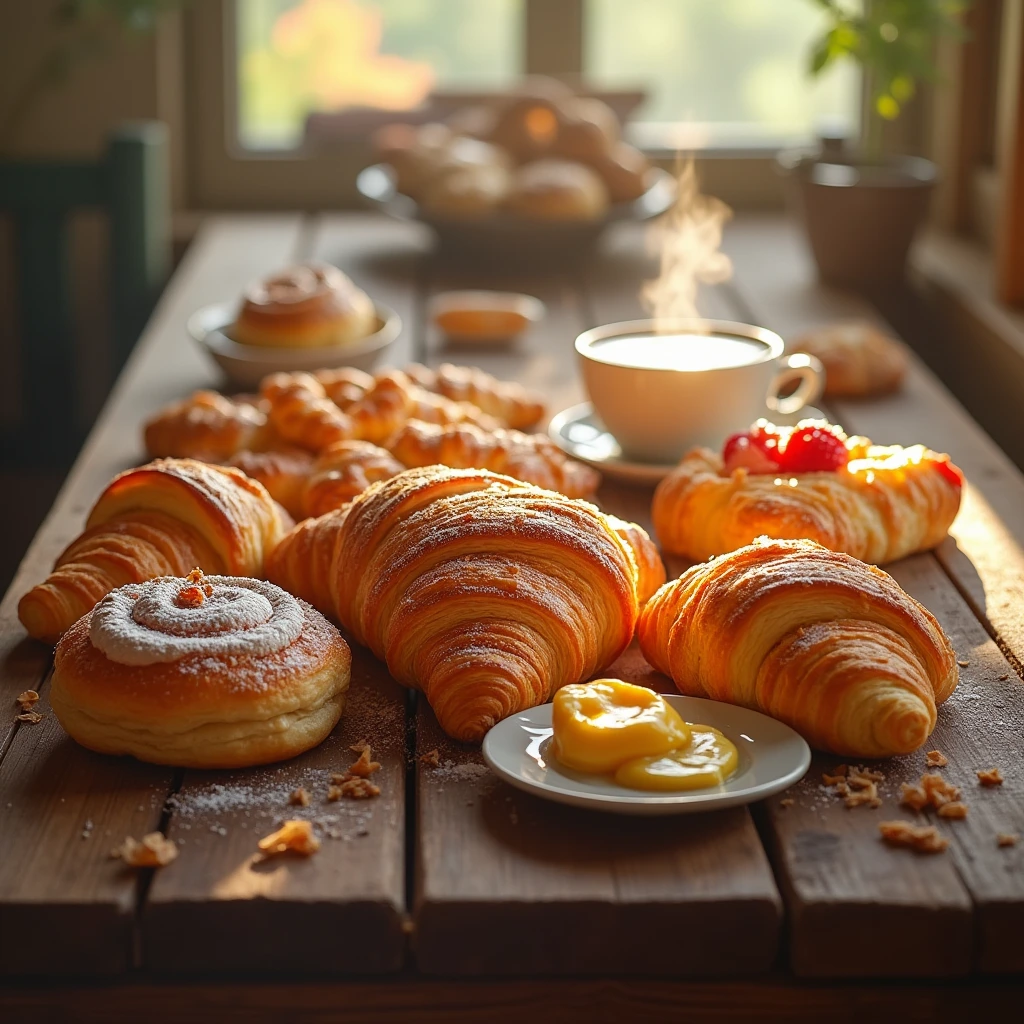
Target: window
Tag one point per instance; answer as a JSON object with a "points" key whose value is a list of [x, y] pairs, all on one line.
{"points": [[719, 73], [296, 57]]}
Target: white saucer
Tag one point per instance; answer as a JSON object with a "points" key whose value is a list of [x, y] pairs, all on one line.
{"points": [[772, 758], [579, 433]]}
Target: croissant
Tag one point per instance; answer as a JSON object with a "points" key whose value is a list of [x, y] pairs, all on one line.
{"points": [[394, 399], [827, 644], [283, 473], [302, 412], [344, 385], [209, 427], [162, 519], [506, 401], [485, 593], [341, 472], [650, 568], [528, 457], [884, 504], [859, 359]]}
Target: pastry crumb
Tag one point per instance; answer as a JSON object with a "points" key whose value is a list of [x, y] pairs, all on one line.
{"points": [[935, 759], [964, 664], [153, 850], [913, 796], [939, 790], [1004, 677], [431, 759], [862, 772], [359, 746], [26, 699], [787, 802], [299, 797], [989, 776], [955, 809], [1007, 839], [359, 788], [865, 796], [920, 838], [333, 792], [32, 717], [294, 835], [364, 767]]}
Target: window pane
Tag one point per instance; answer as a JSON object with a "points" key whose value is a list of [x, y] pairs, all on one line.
{"points": [[734, 71], [298, 56]]}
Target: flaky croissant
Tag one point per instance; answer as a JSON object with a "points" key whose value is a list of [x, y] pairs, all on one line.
{"points": [[302, 413], [284, 473], [210, 427], [532, 458], [506, 401], [161, 519], [827, 644], [485, 593], [886, 503], [341, 472]]}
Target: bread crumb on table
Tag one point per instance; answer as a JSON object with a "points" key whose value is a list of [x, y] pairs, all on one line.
{"points": [[935, 759], [989, 776], [299, 797], [920, 838], [1007, 839], [955, 809], [358, 788], [153, 850], [964, 664], [26, 699], [431, 759], [359, 746], [787, 802], [364, 767], [294, 836], [32, 717]]}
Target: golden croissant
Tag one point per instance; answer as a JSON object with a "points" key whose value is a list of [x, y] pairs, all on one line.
{"points": [[210, 427], [879, 505], [302, 413], [162, 519], [813, 637], [283, 472], [485, 593], [529, 457], [507, 401]]}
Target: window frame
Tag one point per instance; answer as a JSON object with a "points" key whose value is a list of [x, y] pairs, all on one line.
{"points": [[223, 175]]}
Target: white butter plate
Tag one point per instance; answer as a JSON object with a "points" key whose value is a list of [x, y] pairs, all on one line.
{"points": [[772, 757], [579, 432]]}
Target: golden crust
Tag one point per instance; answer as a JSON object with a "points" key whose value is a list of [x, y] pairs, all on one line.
{"points": [[208, 426], [283, 473], [886, 504], [343, 471], [507, 401], [859, 359], [203, 711], [485, 593], [813, 637], [308, 306]]}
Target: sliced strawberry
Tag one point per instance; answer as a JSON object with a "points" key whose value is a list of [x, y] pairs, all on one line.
{"points": [[742, 451], [813, 449]]}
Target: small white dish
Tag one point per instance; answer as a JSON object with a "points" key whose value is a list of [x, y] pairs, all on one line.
{"points": [[772, 757], [580, 433], [531, 310], [247, 365]]}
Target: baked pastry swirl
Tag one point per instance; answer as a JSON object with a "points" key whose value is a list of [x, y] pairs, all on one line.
{"points": [[201, 672], [878, 504], [529, 457], [815, 638], [158, 520], [485, 593], [312, 305]]}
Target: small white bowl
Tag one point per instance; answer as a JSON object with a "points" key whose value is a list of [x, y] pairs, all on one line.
{"points": [[531, 309], [247, 365]]}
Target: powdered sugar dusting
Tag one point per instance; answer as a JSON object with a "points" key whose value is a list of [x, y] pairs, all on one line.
{"points": [[142, 624]]}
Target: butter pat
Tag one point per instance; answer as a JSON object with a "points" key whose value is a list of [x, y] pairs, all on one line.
{"points": [[708, 760]]}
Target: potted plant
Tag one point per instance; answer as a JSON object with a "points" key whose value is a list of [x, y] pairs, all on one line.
{"points": [[861, 208]]}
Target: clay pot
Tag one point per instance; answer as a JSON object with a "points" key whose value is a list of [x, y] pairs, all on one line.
{"points": [[860, 217]]}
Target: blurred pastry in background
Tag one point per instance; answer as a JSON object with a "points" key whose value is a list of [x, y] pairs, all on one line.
{"points": [[468, 192], [859, 358], [587, 131], [312, 305], [625, 172], [557, 190]]}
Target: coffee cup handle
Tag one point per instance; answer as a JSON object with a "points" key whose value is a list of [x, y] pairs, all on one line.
{"points": [[808, 374]]}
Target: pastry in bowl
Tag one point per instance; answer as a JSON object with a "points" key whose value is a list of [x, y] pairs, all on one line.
{"points": [[557, 190], [201, 672], [466, 192], [313, 305], [873, 502]]}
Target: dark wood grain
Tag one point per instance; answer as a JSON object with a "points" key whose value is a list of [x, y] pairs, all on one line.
{"points": [[70, 906], [465, 1001], [223, 907]]}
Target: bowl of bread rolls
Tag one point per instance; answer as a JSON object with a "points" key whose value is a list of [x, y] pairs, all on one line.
{"points": [[540, 173], [310, 316]]}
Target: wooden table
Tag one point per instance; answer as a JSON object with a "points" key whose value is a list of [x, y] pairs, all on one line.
{"points": [[453, 897]]}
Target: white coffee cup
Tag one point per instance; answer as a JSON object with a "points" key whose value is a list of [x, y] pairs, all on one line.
{"points": [[692, 382]]}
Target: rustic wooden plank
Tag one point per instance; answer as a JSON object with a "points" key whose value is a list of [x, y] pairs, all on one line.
{"points": [[384, 257], [985, 556], [222, 907], [509, 884], [464, 1001], [983, 723], [70, 906]]}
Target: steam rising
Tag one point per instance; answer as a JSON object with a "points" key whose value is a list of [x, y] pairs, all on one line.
{"points": [[688, 237]]}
